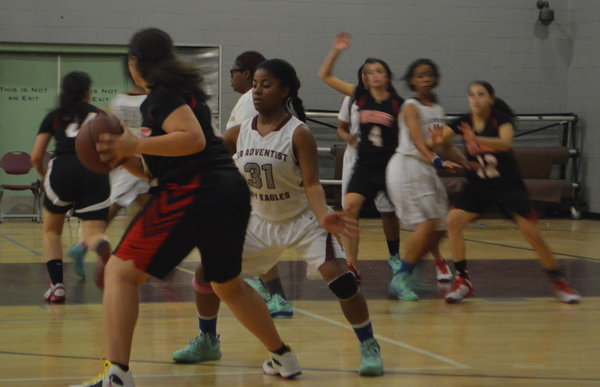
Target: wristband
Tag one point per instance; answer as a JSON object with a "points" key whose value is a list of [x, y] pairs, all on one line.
{"points": [[438, 163]]}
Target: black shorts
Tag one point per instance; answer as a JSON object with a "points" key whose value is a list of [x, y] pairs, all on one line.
{"points": [[510, 200], [210, 212], [367, 182], [68, 184]]}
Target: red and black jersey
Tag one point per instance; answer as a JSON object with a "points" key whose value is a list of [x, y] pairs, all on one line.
{"points": [[498, 169], [65, 129], [159, 104], [378, 128]]}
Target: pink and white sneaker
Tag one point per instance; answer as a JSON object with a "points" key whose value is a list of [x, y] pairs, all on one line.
{"points": [[55, 294], [442, 270], [565, 293], [461, 289]]}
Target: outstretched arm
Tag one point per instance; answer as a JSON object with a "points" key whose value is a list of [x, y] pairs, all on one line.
{"points": [[336, 223], [340, 43]]}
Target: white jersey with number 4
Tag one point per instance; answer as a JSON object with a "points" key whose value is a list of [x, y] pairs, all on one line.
{"points": [[271, 169]]}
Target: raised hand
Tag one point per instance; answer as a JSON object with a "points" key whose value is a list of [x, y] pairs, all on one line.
{"points": [[341, 41], [437, 135]]}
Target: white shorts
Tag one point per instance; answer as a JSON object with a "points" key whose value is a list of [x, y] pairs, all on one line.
{"points": [[382, 202], [125, 188], [416, 191], [266, 241]]}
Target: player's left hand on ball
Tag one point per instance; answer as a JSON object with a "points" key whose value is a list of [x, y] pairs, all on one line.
{"points": [[340, 224], [114, 149]]}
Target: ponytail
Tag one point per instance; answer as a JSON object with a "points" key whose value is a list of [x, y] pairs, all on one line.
{"points": [[73, 90], [286, 74]]}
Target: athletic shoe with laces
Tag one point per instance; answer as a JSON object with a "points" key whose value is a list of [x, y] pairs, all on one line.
{"points": [[400, 287], [461, 289], [354, 270], [258, 285], [565, 293], [77, 254], [442, 271], [279, 307], [113, 376], [371, 363], [203, 347], [285, 365], [55, 294], [394, 262]]}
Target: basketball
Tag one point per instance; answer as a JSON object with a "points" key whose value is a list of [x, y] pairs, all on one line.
{"points": [[85, 142]]}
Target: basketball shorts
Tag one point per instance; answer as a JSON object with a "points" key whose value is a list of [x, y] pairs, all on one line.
{"points": [[382, 202], [512, 199], [210, 212], [69, 185], [367, 182], [125, 188], [266, 241], [416, 191]]}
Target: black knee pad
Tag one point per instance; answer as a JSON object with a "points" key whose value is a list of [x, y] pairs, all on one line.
{"points": [[344, 286]]}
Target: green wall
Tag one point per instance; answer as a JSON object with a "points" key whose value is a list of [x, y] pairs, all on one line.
{"points": [[29, 86]]}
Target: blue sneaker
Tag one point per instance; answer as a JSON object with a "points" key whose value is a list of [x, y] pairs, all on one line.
{"points": [[77, 254], [394, 262], [258, 285], [400, 287], [371, 363], [203, 347], [279, 307]]}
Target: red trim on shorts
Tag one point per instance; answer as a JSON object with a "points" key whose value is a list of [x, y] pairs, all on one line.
{"points": [[145, 238]]}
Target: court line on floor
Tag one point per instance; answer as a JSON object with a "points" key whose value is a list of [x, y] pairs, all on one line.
{"points": [[379, 337], [34, 252], [387, 340]]}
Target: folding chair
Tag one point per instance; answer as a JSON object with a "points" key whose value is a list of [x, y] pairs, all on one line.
{"points": [[19, 163]]}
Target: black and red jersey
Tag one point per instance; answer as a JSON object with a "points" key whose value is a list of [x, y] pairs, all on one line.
{"points": [[498, 169], [65, 129], [159, 104], [378, 128]]}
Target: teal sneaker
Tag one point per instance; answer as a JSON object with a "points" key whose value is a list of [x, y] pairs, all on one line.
{"points": [[258, 285], [371, 363], [203, 347], [77, 254], [400, 287], [279, 307], [394, 263]]}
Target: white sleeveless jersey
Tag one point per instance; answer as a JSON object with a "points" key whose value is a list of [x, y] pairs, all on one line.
{"points": [[271, 170], [430, 115], [126, 107]]}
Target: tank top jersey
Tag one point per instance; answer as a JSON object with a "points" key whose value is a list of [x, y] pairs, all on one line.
{"points": [[378, 129], [349, 113], [65, 130], [271, 169], [159, 104], [429, 116], [499, 170], [126, 107]]}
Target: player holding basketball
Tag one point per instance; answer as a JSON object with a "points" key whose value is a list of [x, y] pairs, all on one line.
{"points": [[67, 183], [378, 105], [124, 187], [413, 185], [495, 179], [278, 156], [201, 201]]}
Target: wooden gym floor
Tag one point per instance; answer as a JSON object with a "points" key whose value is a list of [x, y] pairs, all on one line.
{"points": [[512, 334]]}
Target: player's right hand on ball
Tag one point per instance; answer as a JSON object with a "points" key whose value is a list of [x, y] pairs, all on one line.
{"points": [[114, 149]]}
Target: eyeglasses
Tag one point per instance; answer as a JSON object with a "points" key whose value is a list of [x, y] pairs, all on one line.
{"points": [[235, 71]]}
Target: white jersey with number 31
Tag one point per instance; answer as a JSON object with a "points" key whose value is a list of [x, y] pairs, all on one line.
{"points": [[271, 170]]}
